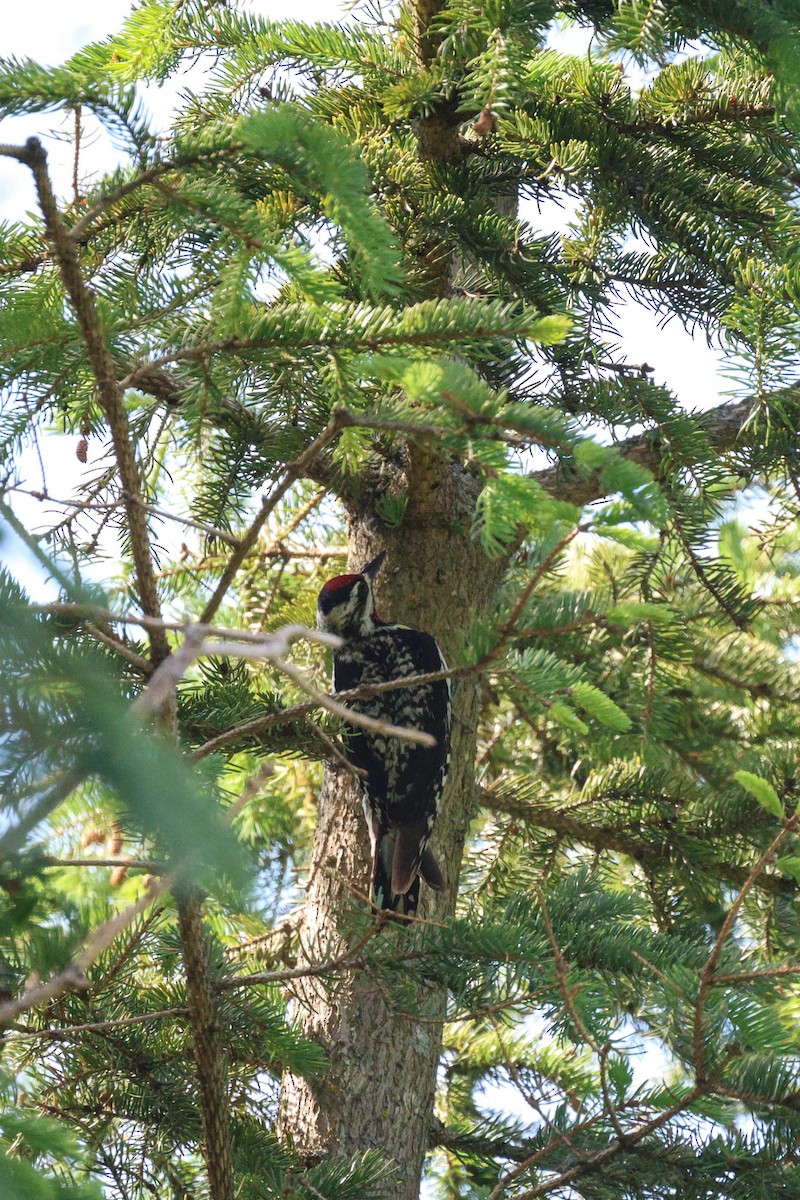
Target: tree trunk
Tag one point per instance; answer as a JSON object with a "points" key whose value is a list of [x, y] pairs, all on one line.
{"points": [[378, 1091]]}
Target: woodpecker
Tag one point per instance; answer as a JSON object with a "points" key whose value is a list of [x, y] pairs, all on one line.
{"points": [[403, 782]]}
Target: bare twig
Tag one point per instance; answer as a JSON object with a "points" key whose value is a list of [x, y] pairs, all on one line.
{"points": [[251, 789], [416, 736], [272, 647], [143, 665], [281, 936], [335, 752], [134, 864], [349, 958], [296, 712]]}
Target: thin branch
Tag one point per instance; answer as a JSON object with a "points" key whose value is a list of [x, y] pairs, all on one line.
{"points": [[135, 864], [109, 391], [73, 976], [559, 1135], [561, 968], [272, 647], [509, 626], [722, 426], [64, 1033], [143, 665], [76, 156], [282, 935], [251, 789], [294, 471], [296, 712], [97, 612], [209, 1056], [335, 752], [650, 855], [594, 1162], [707, 976], [351, 959], [416, 736], [785, 970], [40, 809]]}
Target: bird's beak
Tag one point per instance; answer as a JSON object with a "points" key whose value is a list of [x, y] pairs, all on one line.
{"points": [[372, 568]]}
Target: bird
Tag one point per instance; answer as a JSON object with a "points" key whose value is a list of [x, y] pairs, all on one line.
{"points": [[402, 782]]}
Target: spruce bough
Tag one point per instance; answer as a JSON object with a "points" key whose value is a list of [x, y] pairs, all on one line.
{"points": [[315, 321]]}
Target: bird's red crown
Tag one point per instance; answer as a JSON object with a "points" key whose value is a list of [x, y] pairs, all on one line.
{"points": [[338, 581]]}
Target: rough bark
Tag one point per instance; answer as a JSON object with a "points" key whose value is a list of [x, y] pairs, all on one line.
{"points": [[378, 1091], [208, 1055], [379, 1088]]}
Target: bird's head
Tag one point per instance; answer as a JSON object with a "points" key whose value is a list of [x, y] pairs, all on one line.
{"points": [[346, 605]]}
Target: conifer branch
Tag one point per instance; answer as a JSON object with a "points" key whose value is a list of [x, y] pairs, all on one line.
{"points": [[649, 855], [271, 945], [783, 971], [208, 1051], [568, 994], [509, 627], [64, 1033], [320, 338], [559, 1135], [597, 1161], [73, 977], [294, 471], [109, 390], [708, 973], [722, 426]]}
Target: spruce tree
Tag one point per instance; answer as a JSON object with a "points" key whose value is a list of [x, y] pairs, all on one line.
{"points": [[317, 321]]}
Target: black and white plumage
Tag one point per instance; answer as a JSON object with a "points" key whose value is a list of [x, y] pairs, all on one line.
{"points": [[403, 785]]}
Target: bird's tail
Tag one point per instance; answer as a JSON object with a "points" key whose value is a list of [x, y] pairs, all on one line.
{"points": [[398, 870]]}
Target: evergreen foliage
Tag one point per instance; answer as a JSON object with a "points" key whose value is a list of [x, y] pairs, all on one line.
{"points": [[290, 293]]}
